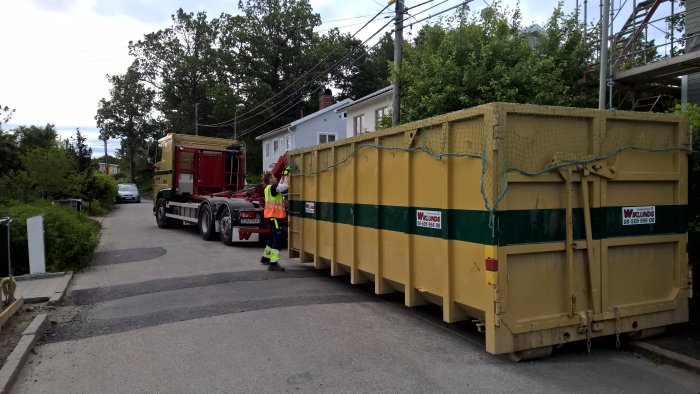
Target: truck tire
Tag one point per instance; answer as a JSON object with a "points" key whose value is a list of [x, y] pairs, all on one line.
{"points": [[206, 223], [226, 227], [161, 220]]}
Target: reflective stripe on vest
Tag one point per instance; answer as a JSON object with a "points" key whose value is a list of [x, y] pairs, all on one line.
{"points": [[274, 205]]}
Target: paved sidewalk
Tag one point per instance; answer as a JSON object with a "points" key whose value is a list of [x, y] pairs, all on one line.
{"points": [[680, 346], [49, 288], [43, 287]]}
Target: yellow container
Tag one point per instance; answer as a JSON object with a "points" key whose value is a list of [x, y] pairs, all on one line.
{"points": [[545, 224]]}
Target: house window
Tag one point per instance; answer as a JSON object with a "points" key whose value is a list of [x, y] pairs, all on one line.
{"points": [[267, 149], [323, 138], [287, 143], [276, 147], [379, 114], [358, 124]]}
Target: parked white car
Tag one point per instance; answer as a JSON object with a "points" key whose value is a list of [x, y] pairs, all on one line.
{"points": [[128, 192]]}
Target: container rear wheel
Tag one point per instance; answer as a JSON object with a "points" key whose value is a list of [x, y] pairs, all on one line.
{"points": [[531, 354], [162, 220], [206, 223], [645, 333], [226, 227]]}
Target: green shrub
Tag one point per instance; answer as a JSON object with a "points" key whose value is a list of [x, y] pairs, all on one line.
{"points": [[70, 238], [101, 190]]}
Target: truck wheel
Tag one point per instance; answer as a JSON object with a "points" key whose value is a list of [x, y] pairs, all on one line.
{"points": [[226, 226], [161, 219], [206, 223]]}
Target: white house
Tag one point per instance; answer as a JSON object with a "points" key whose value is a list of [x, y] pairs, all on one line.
{"points": [[364, 113], [324, 125], [112, 170]]}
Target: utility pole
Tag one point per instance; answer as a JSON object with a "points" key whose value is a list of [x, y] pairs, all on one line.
{"points": [[603, 54], [196, 120], [106, 158], [398, 42]]}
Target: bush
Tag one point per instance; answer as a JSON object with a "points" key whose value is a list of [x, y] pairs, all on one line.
{"points": [[101, 191], [70, 238]]}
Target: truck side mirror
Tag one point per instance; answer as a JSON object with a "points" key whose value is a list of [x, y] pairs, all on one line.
{"points": [[152, 149]]}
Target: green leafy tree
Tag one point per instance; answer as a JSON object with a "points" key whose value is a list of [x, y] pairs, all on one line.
{"points": [[9, 158], [35, 137], [5, 115], [52, 172], [127, 114], [81, 153], [179, 63], [491, 57], [371, 73]]}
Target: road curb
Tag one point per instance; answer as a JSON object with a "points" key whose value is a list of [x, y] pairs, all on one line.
{"points": [[667, 356], [16, 359], [61, 289]]}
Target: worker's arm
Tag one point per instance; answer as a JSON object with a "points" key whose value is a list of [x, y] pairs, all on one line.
{"points": [[283, 185]]}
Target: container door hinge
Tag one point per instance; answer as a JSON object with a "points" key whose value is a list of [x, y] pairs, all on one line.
{"points": [[480, 325]]}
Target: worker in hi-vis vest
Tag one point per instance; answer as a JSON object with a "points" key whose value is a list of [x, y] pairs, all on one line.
{"points": [[275, 214]]}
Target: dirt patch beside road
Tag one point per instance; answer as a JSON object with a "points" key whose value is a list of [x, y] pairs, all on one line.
{"points": [[12, 331]]}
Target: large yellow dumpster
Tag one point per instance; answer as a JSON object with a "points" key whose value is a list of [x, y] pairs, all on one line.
{"points": [[545, 224]]}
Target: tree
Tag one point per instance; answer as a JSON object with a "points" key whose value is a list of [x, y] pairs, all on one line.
{"points": [[5, 115], [372, 71], [493, 58], [52, 171], [33, 137], [179, 63], [128, 113]]}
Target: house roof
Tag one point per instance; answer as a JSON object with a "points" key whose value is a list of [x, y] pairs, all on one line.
{"points": [[304, 119], [379, 93], [273, 132]]}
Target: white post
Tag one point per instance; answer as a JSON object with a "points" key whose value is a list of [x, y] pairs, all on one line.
{"points": [[35, 238]]}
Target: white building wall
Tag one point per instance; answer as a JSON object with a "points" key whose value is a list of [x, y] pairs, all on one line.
{"points": [[284, 143], [368, 108]]}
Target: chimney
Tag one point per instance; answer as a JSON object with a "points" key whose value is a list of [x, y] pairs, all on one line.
{"points": [[325, 99]]}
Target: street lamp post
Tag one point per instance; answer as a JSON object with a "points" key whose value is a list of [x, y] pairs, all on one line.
{"points": [[241, 107]]}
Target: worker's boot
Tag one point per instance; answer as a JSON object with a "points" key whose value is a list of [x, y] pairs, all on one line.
{"points": [[265, 260], [275, 267]]}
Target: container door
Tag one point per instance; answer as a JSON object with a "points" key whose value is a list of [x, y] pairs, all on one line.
{"points": [[642, 224]]}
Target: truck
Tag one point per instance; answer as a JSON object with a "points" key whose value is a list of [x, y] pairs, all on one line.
{"points": [[201, 180]]}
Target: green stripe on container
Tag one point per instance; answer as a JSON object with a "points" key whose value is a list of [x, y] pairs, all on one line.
{"points": [[512, 227]]}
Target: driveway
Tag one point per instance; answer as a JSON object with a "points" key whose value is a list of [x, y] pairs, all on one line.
{"points": [[165, 311]]}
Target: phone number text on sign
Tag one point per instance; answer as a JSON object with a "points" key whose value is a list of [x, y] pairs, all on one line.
{"points": [[429, 219], [638, 215]]}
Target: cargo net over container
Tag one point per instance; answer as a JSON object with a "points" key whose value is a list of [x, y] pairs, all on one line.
{"points": [[510, 138]]}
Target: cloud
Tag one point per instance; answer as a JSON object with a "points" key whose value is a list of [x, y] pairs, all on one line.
{"points": [[160, 11], [59, 6]]}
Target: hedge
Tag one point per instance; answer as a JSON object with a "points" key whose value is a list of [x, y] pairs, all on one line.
{"points": [[70, 238]]}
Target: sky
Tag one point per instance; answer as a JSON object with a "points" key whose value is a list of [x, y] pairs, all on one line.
{"points": [[55, 54]]}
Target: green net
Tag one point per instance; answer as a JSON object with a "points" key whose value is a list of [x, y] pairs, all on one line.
{"points": [[509, 138]]}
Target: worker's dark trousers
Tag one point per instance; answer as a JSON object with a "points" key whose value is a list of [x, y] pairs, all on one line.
{"points": [[276, 240]]}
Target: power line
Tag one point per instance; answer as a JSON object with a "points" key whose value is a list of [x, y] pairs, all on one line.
{"points": [[441, 12], [354, 17], [355, 61], [273, 117], [364, 54], [227, 122], [342, 27]]}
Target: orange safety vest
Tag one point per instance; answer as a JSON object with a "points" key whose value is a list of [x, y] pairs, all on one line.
{"points": [[274, 205]]}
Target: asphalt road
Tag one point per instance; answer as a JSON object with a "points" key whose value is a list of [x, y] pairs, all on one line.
{"points": [[165, 311]]}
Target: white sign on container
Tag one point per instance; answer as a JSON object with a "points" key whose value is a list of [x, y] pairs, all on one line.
{"points": [[638, 215], [429, 219]]}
